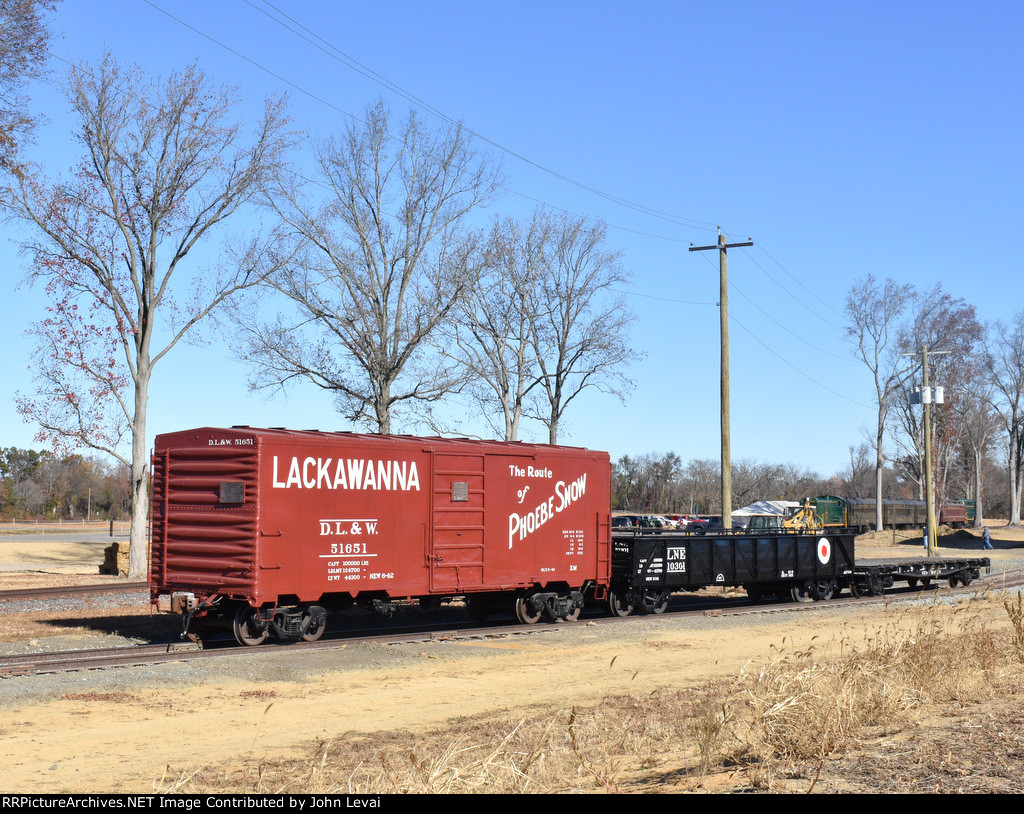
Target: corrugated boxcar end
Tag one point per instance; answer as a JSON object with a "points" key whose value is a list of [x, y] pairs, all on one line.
{"points": [[204, 520]]}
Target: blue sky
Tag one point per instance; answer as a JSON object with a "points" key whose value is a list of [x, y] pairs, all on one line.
{"points": [[843, 139]]}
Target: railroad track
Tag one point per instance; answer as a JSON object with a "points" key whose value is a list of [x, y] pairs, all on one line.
{"points": [[71, 590], [12, 666], [26, 664]]}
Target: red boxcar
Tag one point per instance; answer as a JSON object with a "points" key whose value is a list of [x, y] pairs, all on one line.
{"points": [[263, 530]]}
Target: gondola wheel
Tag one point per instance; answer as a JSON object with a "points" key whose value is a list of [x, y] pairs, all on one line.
{"points": [[655, 601], [246, 627], [824, 589], [618, 604], [802, 591]]}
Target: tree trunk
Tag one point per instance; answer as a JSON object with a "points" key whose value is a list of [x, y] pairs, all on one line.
{"points": [[978, 461], [879, 462], [138, 542]]}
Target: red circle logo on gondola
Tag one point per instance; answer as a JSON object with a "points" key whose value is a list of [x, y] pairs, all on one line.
{"points": [[824, 551]]}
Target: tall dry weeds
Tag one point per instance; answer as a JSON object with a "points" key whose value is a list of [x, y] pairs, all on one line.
{"points": [[804, 707], [1015, 610], [788, 716]]}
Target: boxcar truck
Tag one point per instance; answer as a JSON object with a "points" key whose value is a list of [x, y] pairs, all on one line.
{"points": [[263, 531]]}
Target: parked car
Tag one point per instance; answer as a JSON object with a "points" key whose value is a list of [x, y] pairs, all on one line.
{"points": [[625, 521], [709, 522], [651, 523], [666, 521]]}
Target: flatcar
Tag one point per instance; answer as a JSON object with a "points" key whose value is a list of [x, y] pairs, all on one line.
{"points": [[263, 531]]}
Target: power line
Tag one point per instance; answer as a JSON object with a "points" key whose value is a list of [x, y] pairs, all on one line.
{"points": [[304, 33], [340, 56]]}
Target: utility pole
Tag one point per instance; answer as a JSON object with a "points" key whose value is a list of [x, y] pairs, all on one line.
{"points": [[927, 398], [723, 284]]}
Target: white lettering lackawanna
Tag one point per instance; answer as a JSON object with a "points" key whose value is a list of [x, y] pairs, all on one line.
{"points": [[346, 473]]}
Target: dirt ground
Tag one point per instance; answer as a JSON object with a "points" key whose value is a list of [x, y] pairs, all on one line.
{"points": [[136, 730]]}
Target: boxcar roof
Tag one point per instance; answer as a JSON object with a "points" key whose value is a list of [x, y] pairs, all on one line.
{"points": [[311, 435]]}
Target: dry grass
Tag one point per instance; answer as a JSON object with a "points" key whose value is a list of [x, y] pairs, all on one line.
{"points": [[814, 719]]}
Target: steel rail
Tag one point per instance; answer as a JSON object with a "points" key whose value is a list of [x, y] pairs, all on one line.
{"points": [[71, 590], [104, 658]]}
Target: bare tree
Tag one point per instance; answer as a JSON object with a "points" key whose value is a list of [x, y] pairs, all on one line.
{"points": [[861, 475], [873, 311], [23, 40], [162, 168], [701, 478], [949, 328], [648, 483], [490, 333], [379, 265], [1004, 367], [580, 330], [979, 423]]}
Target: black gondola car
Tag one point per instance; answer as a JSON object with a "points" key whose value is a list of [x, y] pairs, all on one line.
{"points": [[647, 569]]}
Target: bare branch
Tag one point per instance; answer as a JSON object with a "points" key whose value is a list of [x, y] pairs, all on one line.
{"points": [[379, 265], [162, 168]]}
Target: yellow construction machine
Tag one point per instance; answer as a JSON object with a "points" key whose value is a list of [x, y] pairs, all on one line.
{"points": [[804, 519]]}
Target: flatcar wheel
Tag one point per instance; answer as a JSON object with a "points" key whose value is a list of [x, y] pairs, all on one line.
{"points": [[525, 612], [246, 633], [802, 591], [859, 588], [618, 604], [574, 614]]}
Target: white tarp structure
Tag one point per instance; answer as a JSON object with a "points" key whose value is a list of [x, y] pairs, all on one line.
{"points": [[766, 507]]}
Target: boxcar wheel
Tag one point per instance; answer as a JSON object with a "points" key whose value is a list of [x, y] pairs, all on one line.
{"points": [[246, 633], [315, 631], [618, 604], [525, 612]]}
